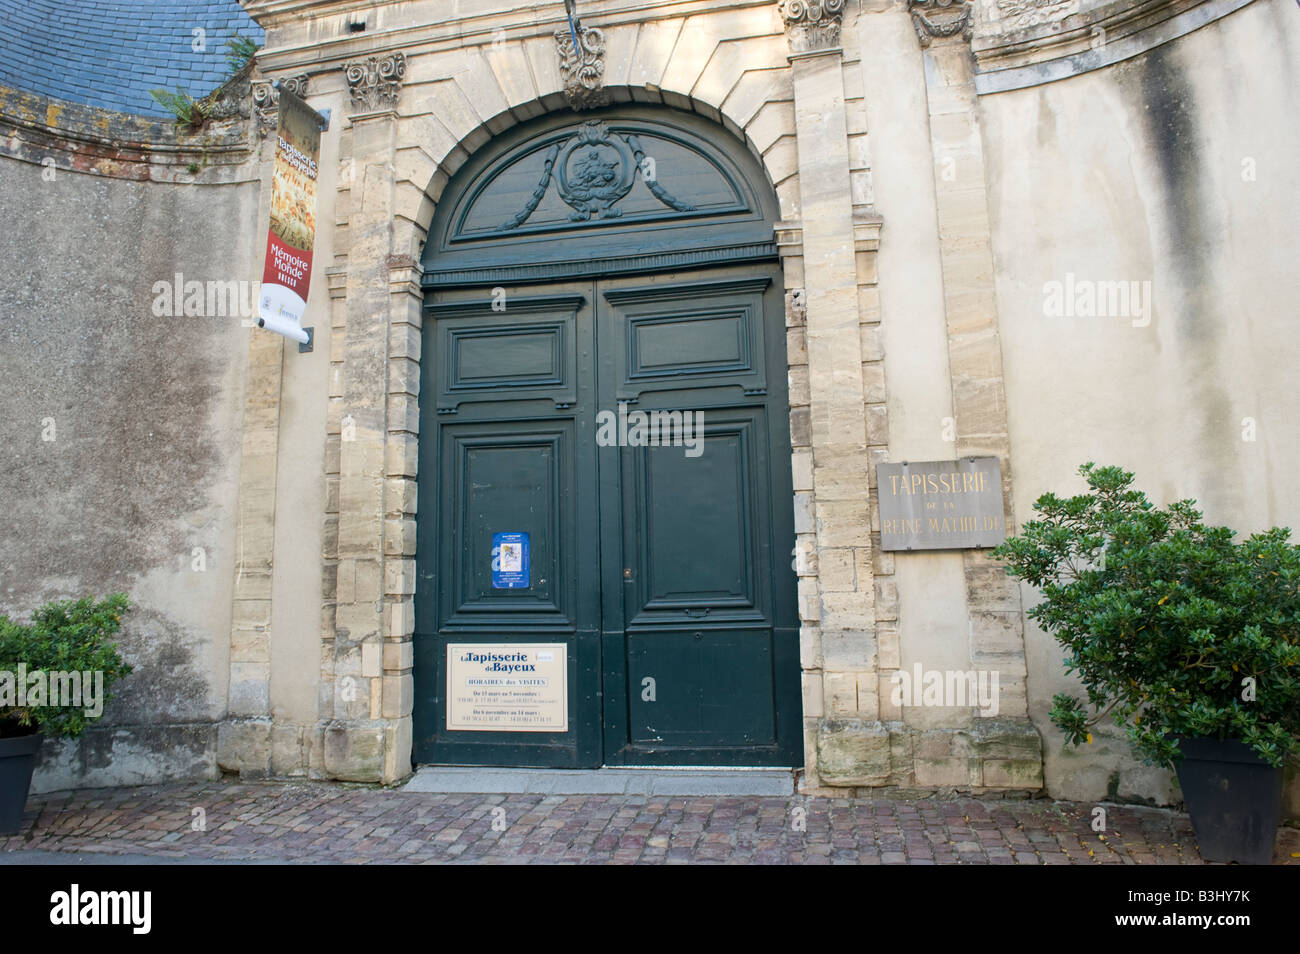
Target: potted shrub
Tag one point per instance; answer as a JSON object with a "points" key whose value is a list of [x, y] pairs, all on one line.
{"points": [[1187, 638], [55, 675]]}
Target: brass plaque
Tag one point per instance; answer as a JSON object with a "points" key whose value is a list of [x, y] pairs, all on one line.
{"points": [[941, 504]]}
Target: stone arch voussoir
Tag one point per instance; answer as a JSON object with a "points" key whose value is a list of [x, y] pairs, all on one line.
{"points": [[437, 167]]}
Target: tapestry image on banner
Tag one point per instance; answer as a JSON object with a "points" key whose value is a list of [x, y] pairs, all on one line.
{"points": [[292, 234]]}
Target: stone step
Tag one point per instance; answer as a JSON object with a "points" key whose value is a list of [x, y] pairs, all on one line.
{"points": [[605, 781]]}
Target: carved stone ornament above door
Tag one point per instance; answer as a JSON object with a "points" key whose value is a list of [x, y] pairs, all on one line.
{"points": [[593, 170], [583, 66]]}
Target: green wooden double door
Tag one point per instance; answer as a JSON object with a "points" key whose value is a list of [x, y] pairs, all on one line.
{"points": [[606, 525]]}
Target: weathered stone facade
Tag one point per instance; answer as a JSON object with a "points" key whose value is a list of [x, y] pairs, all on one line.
{"points": [[883, 127]]}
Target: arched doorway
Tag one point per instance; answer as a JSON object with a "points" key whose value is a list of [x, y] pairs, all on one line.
{"points": [[605, 508]]}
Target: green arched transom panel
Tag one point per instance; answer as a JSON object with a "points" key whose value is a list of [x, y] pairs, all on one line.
{"points": [[624, 190]]}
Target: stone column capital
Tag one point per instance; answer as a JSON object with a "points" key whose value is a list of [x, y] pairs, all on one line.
{"points": [[376, 82], [812, 26]]}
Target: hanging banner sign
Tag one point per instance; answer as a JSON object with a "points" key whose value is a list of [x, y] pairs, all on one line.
{"points": [[510, 561], [292, 234]]}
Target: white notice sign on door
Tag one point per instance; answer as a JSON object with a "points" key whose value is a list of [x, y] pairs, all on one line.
{"points": [[507, 687]]}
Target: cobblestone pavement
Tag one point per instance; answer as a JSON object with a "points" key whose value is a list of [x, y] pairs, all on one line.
{"points": [[324, 822]]}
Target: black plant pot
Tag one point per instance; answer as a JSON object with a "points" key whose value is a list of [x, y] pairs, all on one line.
{"points": [[1234, 798], [17, 760]]}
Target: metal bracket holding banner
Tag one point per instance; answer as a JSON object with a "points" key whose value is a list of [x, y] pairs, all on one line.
{"points": [[322, 114], [569, 9]]}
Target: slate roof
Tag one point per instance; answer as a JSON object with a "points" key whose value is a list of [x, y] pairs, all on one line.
{"points": [[110, 53]]}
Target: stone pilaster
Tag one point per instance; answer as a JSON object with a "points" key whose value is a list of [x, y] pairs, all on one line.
{"points": [[354, 734], [337, 277], [405, 299], [832, 497], [244, 738], [1007, 755]]}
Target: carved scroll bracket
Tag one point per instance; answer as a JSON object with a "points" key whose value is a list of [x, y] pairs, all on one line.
{"points": [[941, 18], [266, 99], [583, 67]]}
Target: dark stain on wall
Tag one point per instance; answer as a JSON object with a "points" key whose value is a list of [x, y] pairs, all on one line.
{"points": [[1169, 112], [1161, 82], [167, 684]]}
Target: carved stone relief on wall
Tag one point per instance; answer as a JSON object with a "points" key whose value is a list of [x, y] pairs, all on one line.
{"points": [[582, 66], [941, 18], [1004, 15]]}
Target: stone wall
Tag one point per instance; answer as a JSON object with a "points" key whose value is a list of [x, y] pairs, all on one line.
{"points": [[421, 88], [1172, 167], [929, 317], [120, 430]]}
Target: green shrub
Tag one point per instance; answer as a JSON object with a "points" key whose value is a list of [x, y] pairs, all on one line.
{"points": [[71, 636], [1173, 628], [187, 110], [239, 50]]}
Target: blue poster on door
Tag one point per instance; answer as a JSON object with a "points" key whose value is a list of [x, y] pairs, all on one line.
{"points": [[510, 561]]}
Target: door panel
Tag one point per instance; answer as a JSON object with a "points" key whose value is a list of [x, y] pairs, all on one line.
{"points": [[700, 639], [693, 523], [686, 331], [705, 689], [658, 560], [506, 419], [508, 475], [513, 348]]}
